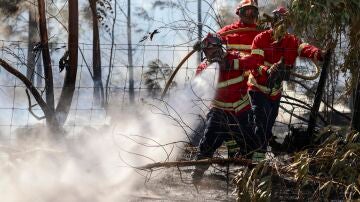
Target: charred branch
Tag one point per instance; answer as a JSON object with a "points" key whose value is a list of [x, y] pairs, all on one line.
{"points": [[323, 101], [294, 115], [219, 161], [319, 93], [303, 105]]}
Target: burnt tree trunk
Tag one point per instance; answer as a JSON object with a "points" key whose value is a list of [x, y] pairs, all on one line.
{"points": [[319, 93], [355, 122], [49, 86], [354, 39], [97, 78], [63, 107]]}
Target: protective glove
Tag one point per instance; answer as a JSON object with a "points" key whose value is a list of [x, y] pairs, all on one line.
{"points": [[197, 46], [286, 73], [274, 73]]}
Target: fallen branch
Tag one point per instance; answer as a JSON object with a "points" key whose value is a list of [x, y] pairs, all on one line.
{"points": [[219, 161], [323, 101]]}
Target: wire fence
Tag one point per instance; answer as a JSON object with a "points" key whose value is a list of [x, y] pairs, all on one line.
{"points": [[84, 111]]}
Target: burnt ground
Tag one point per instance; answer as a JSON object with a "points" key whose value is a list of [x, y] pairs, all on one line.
{"points": [[173, 184]]}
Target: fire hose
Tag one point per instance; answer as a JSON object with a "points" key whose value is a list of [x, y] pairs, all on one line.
{"points": [[310, 77], [168, 83]]}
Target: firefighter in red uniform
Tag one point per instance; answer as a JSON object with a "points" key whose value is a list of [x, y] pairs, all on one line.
{"points": [[247, 11], [272, 57], [228, 118]]}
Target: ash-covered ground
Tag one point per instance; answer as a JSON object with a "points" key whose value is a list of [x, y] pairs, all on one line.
{"points": [[175, 184]]}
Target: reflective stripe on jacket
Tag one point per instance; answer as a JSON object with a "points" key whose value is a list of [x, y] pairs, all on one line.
{"points": [[265, 51], [231, 94]]}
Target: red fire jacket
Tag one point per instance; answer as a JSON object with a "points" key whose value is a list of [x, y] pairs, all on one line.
{"points": [[231, 94], [265, 52]]}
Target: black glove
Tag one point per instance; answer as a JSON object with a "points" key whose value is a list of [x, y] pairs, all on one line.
{"points": [[286, 73], [197, 46], [276, 74]]}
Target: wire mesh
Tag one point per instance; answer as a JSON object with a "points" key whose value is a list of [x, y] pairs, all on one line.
{"points": [[84, 112]]}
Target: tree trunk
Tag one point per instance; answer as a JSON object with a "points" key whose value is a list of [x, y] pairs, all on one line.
{"points": [[199, 56], [39, 72], [49, 87], [130, 59], [107, 93], [97, 78], [355, 122], [32, 39], [319, 94], [63, 107], [354, 39]]}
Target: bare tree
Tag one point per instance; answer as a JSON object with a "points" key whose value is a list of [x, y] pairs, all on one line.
{"points": [[54, 118]]}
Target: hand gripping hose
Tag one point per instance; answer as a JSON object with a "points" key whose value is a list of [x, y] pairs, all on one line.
{"points": [[167, 85]]}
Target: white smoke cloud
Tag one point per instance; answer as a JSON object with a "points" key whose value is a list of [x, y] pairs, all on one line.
{"points": [[97, 164]]}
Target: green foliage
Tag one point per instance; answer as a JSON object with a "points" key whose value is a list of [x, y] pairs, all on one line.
{"points": [[332, 169], [325, 23], [254, 184]]}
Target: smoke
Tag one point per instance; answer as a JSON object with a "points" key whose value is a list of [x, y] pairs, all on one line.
{"points": [[99, 164]]}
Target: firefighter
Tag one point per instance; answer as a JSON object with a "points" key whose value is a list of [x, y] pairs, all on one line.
{"points": [[228, 119], [272, 58]]}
